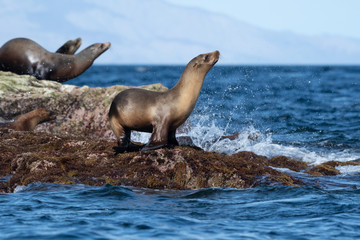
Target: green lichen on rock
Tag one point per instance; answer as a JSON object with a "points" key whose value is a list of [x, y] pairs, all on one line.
{"points": [[25, 85]]}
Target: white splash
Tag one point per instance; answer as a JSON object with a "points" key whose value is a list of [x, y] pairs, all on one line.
{"points": [[349, 170], [210, 138], [19, 188]]}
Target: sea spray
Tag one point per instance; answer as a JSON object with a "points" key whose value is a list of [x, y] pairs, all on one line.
{"points": [[207, 135]]}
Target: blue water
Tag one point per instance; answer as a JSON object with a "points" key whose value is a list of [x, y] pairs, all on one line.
{"points": [[311, 113]]}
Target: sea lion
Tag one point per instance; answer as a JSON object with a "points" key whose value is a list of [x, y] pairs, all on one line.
{"points": [[70, 47], [28, 121], [24, 56], [160, 113]]}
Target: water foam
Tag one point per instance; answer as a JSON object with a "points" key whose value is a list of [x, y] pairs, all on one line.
{"points": [[349, 170], [209, 137]]}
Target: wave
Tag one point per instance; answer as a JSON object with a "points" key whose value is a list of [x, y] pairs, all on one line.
{"points": [[208, 135]]}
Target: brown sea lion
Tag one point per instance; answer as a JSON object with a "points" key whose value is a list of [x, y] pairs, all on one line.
{"points": [[28, 121], [160, 113], [70, 47], [24, 56]]}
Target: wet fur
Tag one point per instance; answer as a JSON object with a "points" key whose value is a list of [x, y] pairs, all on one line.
{"points": [[160, 113]]}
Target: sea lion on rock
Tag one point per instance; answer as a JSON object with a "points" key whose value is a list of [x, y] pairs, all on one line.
{"points": [[24, 56], [160, 113], [28, 121], [70, 47]]}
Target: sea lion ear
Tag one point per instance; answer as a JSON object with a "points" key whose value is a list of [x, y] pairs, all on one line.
{"points": [[195, 64]]}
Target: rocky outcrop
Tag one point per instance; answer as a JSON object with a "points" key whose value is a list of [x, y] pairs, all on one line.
{"points": [[81, 111], [42, 157], [78, 147]]}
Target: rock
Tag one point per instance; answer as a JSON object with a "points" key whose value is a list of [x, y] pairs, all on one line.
{"points": [[285, 162], [44, 157], [81, 111]]}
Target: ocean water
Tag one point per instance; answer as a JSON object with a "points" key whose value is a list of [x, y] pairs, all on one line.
{"points": [[310, 113]]}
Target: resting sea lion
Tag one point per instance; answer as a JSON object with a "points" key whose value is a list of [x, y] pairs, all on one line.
{"points": [[159, 112], [24, 56], [70, 47], [28, 121]]}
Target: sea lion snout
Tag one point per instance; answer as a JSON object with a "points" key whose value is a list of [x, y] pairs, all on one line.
{"points": [[105, 46], [211, 58], [44, 114], [215, 57], [52, 115], [100, 47]]}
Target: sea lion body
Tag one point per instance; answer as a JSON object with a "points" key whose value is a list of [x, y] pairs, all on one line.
{"points": [[160, 113], [24, 56], [28, 121]]}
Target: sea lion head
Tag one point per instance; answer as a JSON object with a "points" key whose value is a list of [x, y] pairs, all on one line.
{"points": [[44, 115], [98, 48], [72, 46], [204, 62]]}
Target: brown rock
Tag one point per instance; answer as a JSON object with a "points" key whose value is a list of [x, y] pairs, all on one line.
{"points": [[329, 168], [285, 162], [43, 157]]}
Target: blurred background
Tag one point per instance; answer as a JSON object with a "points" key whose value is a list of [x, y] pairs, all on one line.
{"points": [[174, 31]]}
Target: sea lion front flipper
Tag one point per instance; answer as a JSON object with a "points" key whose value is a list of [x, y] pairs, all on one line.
{"points": [[133, 147], [158, 139], [118, 150], [130, 147]]}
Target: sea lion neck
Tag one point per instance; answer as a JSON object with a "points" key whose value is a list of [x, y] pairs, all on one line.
{"points": [[186, 92], [189, 85], [94, 50], [193, 76], [75, 65], [86, 57]]}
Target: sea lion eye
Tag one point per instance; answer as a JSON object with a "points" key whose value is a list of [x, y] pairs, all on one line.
{"points": [[206, 58]]}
